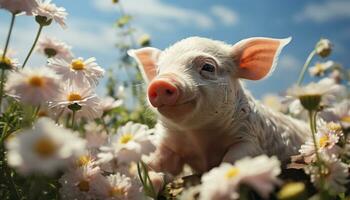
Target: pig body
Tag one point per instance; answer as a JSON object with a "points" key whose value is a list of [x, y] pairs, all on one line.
{"points": [[205, 115]]}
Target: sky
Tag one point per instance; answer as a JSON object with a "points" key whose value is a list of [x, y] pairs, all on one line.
{"points": [[91, 33]]}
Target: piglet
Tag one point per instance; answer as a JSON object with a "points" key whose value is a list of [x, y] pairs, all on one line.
{"points": [[205, 115]]}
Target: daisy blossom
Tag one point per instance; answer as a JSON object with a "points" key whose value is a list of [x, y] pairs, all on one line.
{"points": [[323, 92], [18, 6], [43, 149], [223, 182], [327, 137], [53, 48], [51, 11], [340, 113], [118, 187], [88, 100], [108, 103], [129, 144], [77, 71], [95, 135], [77, 184], [320, 68], [318, 89], [335, 174], [274, 102], [8, 62], [34, 86]]}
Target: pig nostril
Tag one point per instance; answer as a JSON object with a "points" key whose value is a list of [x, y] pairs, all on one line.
{"points": [[169, 92]]}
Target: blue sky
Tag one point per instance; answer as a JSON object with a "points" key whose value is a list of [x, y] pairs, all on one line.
{"points": [[90, 30]]}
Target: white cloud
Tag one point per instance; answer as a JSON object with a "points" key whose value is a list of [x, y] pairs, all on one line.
{"points": [[226, 16], [157, 12], [84, 35], [289, 63], [328, 11]]}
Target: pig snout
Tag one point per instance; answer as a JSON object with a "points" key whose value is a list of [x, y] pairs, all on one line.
{"points": [[163, 93]]}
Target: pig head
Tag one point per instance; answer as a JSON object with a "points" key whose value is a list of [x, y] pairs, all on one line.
{"points": [[205, 115]]}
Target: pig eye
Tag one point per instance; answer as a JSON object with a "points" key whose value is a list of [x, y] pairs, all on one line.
{"points": [[208, 67]]}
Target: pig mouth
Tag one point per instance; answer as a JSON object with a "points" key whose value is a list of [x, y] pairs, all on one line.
{"points": [[178, 108]]}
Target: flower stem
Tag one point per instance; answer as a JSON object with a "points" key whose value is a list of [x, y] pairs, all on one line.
{"points": [[319, 163], [2, 78], [33, 46], [9, 35], [306, 64], [312, 116], [105, 127], [73, 119]]}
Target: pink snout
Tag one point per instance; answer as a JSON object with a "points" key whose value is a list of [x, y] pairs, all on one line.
{"points": [[162, 92]]}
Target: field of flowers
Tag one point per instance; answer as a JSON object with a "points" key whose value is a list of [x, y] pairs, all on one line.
{"points": [[60, 140]]}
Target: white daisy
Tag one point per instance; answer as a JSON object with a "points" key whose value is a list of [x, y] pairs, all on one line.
{"points": [[18, 6], [51, 11], [340, 113], [118, 187], [88, 100], [274, 102], [95, 135], [311, 89], [323, 92], [223, 182], [129, 144], [335, 174], [327, 137], [43, 149], [77, 184], [77, 71], [34, 86], [53, 48], [8, 61], [109, 103], [320, 68]]}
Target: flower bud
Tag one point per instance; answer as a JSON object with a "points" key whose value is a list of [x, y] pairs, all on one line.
{"points": [[43, 21], [145, 40], [323, 48]]}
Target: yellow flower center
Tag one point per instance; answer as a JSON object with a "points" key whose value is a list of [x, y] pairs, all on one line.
{"points": [[83, 160], [333, 126], [78, 65], [323, 141], [42, 113], [84, 186], [319, 67], [45, 147], [116, 191], [6, 60], [126, 138], [74, 97], [232, 172], [36, 81], [345, 119]]}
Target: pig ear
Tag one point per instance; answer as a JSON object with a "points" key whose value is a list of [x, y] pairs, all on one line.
{"points": [[146, 59], [256, 58]]}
